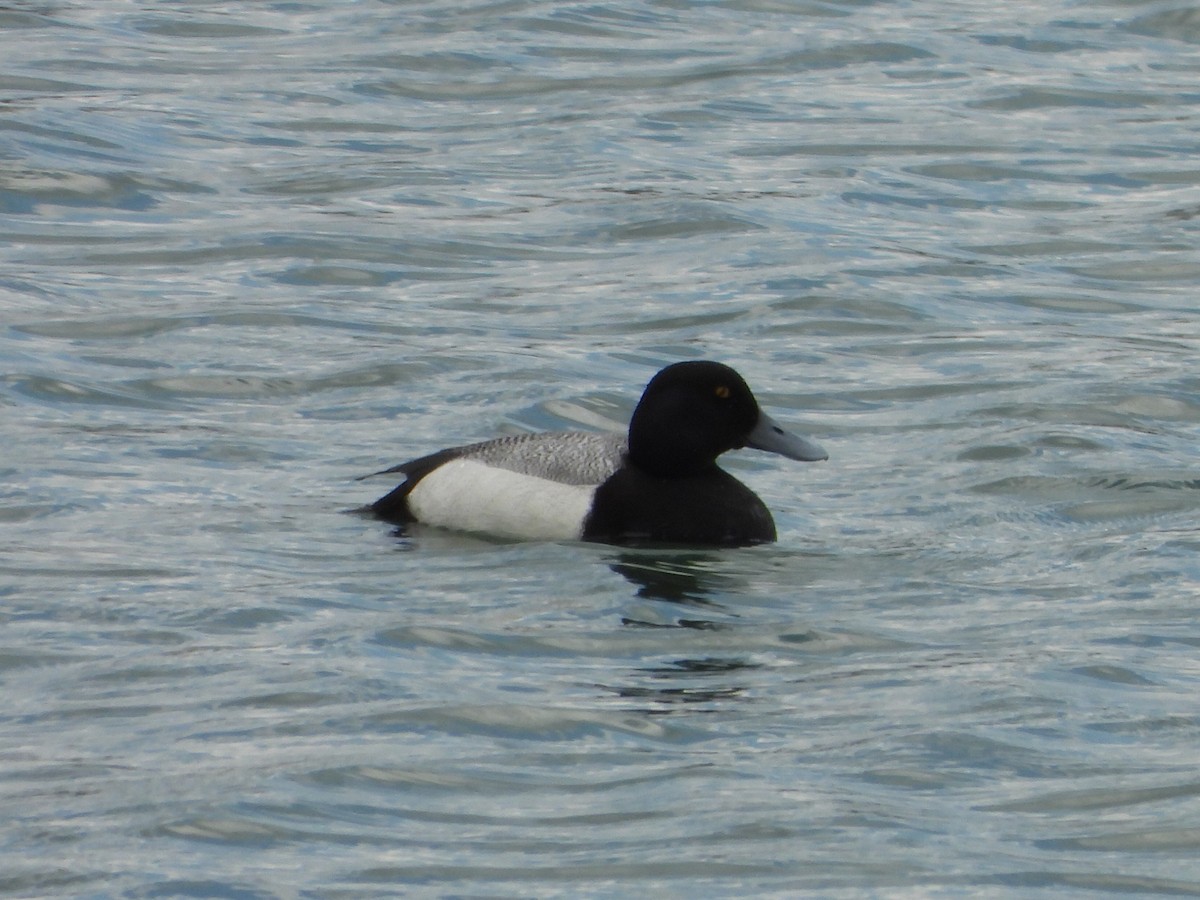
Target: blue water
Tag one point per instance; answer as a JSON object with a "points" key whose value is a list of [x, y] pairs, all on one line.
{"points": [[249, 252]]}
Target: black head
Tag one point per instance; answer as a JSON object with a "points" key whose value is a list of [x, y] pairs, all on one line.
{"points": [[689, 414]]}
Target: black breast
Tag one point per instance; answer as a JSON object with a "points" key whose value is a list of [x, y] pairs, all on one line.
{"points": [[713, 509]]}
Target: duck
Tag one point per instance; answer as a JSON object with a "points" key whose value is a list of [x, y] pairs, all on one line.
{"points": [[659, 484]]}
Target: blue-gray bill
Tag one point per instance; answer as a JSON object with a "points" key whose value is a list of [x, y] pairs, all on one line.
{"points": [[769, 435]]}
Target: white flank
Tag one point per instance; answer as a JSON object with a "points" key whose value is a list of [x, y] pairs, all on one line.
{"points": [[472, 496]]}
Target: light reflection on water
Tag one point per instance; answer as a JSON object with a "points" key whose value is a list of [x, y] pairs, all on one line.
{"points": [[251, 254]]}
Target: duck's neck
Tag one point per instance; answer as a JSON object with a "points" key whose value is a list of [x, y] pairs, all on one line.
{"points": [[667, 451]]}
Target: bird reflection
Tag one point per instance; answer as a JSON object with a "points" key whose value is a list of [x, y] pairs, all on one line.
{"points": [[688, 583], [688, 577], [687, 683]]}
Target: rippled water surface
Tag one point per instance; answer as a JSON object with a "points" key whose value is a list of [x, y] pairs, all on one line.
{"points": [[249, 252]]}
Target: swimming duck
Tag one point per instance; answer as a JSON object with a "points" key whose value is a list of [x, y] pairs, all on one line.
{"points": [[660, 484]]}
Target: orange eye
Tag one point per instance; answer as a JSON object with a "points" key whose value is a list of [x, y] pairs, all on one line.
{"points": [[722, 391]]}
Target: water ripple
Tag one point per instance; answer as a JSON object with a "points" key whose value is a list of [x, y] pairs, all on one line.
{"points": [[250, 253]]}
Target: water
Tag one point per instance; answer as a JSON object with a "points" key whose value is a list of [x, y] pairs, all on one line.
{"points": [[252, 251]]}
